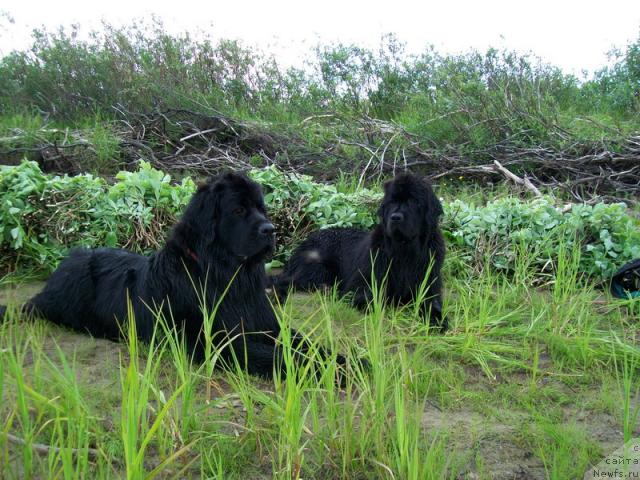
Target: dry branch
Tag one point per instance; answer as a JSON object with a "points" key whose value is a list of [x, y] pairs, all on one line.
{"points": [[46, 449], [516, 179], [180, 139]]}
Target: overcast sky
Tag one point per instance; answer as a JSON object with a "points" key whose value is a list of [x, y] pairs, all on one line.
{"points": [[574, 35]]}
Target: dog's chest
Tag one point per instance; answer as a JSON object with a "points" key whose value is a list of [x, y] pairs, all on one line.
{"points": [[404, 275]]}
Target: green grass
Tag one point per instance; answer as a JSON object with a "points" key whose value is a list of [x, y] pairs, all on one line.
{"points": [[528, 381], [25, 131], [105, 147], [91, 142]]}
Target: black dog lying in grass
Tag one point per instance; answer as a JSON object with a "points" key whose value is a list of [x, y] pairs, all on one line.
{"points": [[405, 246], [220, 242]]}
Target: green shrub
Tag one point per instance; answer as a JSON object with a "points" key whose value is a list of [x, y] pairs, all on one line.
{"points": [[482, 97], [606, 233], [298, 205], [43, 215]]}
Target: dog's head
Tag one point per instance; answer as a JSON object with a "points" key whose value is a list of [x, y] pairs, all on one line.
{"points": [[409, 209], [227, 213]]}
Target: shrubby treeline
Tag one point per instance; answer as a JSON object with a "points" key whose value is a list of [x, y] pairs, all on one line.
{"points": [[471, 100], [42, 215]]}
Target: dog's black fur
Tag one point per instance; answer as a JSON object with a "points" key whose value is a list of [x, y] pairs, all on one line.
{"points": [[223, 232], [403, 246]]}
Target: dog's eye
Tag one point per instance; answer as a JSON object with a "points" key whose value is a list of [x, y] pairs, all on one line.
{"points": [[240, 211]]}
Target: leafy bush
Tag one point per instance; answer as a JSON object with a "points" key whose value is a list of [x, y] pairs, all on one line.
{"points": [[297, 205], [42, 215], [474, 100], [617, 87], [606, 234]]}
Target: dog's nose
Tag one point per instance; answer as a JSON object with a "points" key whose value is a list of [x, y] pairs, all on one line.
{"points": [[397, 217], [266, 229]]}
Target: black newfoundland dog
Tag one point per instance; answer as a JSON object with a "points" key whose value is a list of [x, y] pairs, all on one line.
{"points": [[404, 246], [220, 242]]}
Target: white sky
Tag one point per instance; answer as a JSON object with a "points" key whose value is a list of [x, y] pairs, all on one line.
{"points": [[574, 35]]}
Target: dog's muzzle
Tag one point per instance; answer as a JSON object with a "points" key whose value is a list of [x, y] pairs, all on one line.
{"points": [[266, 229], [397, 230], [267, 234]]}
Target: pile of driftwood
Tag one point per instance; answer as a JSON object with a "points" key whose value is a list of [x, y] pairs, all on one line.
{"points": [[185, 140], [584, 171], [205, 143], [597, 170]]}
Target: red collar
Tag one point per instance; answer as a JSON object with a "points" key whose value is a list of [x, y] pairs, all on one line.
{"points": [[192, 255]]}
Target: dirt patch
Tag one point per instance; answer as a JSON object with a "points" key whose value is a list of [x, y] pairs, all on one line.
{"points": [[15, 294], [492, 441]]}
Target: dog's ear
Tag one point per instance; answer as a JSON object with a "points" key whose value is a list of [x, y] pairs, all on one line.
{"points": [[184, 237], [434, 207], [383, 204], [198, 222], [209, 205]]}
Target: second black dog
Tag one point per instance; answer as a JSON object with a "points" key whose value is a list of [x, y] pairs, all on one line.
{"points": [[403, 248]]}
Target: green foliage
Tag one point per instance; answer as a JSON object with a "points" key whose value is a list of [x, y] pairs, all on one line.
{"points": [[297, 205], [470, 101], [616, 88], [319, 203], [106, 145], [512, 379], [606, 234], [43, 215], [136, 68]]}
